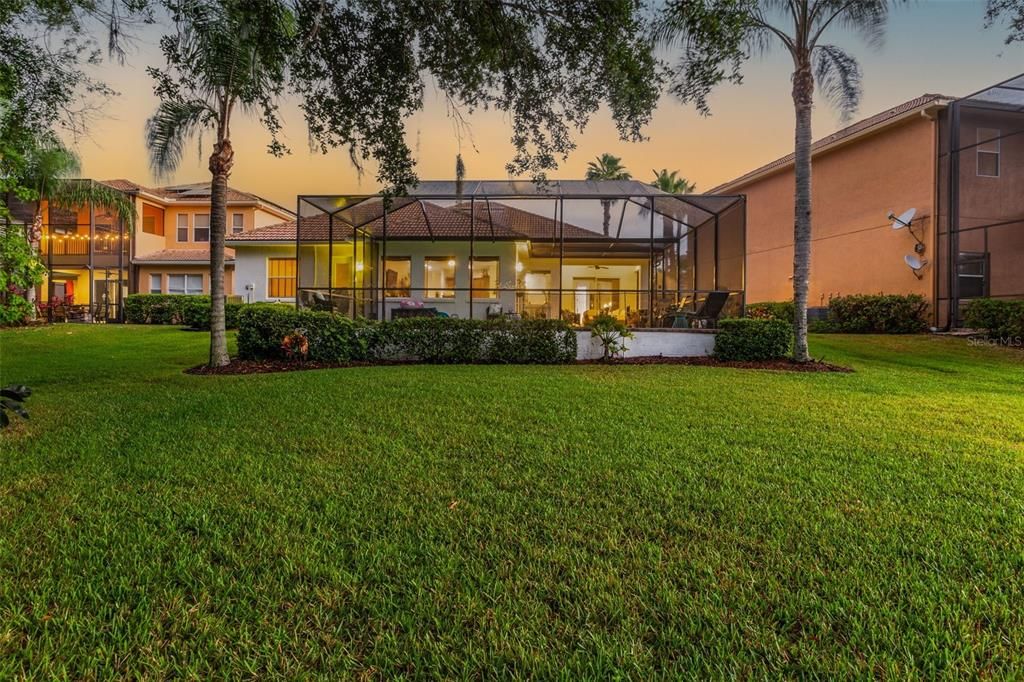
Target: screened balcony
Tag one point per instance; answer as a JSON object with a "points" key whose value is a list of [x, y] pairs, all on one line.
{"points": [[566, 250]]}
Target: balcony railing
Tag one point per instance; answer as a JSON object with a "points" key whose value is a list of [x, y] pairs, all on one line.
{"points": [[72, 245]]}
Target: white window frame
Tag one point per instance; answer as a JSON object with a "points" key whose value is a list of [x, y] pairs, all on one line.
{"points": [[188, 286], [983, 135], [180, 227], [196, 227], [158, 279], [237, 223]]}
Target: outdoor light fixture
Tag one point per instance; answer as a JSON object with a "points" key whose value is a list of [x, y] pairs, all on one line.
{"points": [[519, 266], [906, 220], [451, 263], [359, 267]]}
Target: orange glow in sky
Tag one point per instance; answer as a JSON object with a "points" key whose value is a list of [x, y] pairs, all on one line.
{"points": [[933, 46]]}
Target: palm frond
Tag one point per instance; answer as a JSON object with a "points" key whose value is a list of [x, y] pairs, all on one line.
{"points": [[167, 131], [73, 194], [839, 79], [48, 164]]}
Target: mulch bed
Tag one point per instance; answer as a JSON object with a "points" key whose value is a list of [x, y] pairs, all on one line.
{"points": [[237, 366]]}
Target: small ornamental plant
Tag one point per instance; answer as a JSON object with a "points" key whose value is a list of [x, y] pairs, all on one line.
{"points": [[612, 335], [296, 345]]}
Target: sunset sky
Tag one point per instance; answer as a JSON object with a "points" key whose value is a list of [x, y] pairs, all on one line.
{"points": [[932, 46]]}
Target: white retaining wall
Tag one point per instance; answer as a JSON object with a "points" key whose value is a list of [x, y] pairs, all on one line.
{"points": [[671, 343]]}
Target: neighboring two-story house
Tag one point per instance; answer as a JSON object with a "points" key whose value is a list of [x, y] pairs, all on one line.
{"points": [[93, 261], [966, 239]]}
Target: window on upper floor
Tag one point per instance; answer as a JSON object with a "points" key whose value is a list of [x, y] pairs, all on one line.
{"points": [[201, 229], [988, 152], [237, 223], [182, 227]]}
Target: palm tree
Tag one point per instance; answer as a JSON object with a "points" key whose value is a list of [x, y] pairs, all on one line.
{"points": [[227, 55], [670, 183], [48, 173], [607, 167], [799, 26]]}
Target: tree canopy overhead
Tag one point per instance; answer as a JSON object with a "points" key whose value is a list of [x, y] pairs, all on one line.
{"points": [[362, 67]]}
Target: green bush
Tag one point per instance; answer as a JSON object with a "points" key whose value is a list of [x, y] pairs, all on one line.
{"points": [[195, 313], [999, 318], [878, 314], [157, 308], [612, 334], [746, 339], [777, 310], [262, 328], [191, 311], [440, 340]]}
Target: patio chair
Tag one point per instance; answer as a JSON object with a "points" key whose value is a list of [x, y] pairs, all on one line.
{"points": [[709, 311]]}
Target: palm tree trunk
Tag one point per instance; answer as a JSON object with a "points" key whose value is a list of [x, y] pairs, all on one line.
{"points": [[803, 93], [607, 206], [220, 168]]}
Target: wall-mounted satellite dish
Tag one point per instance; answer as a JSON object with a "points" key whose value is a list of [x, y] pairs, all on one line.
{"points": [[906, 219], [915, 264], [902, 220]]}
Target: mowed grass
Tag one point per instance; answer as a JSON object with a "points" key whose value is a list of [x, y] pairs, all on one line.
{"points": [[472, 521]]}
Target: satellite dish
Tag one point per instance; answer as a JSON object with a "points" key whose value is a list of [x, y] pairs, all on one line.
{"points": [[902, 220], [915, 264]]}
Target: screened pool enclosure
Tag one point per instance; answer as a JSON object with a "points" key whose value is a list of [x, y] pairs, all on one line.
{"points": [[566, 250], [981, 200]]}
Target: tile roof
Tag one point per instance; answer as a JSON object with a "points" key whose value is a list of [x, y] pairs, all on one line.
{"points": [[198, 191], [849, 131], [425, 220], [181, 256]]}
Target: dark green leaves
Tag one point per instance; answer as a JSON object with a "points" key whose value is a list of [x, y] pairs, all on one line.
{"points": [[11, 399], [549, 64]]}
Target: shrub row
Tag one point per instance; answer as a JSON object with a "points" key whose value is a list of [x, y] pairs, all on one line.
{"points": [[192, 311], [750, 339], [999, 318], [876, 314], [778, 310], [263, 328]]}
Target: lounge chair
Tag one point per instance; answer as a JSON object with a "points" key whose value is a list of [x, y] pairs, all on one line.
{"points": [[709, 311]]}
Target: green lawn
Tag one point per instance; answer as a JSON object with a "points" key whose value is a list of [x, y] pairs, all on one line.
{"points": [[581, 521]]}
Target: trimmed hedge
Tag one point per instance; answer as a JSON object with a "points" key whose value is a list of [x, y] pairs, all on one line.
{"points": [[777, 310], [748, 339], [878, 314], [1001, 319], [191, 311], [195, 313], [156, 308], [262, 328]]}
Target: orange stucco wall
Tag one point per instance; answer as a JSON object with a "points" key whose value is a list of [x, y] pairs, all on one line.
{"points": [[854, 249], [143, 273]]}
